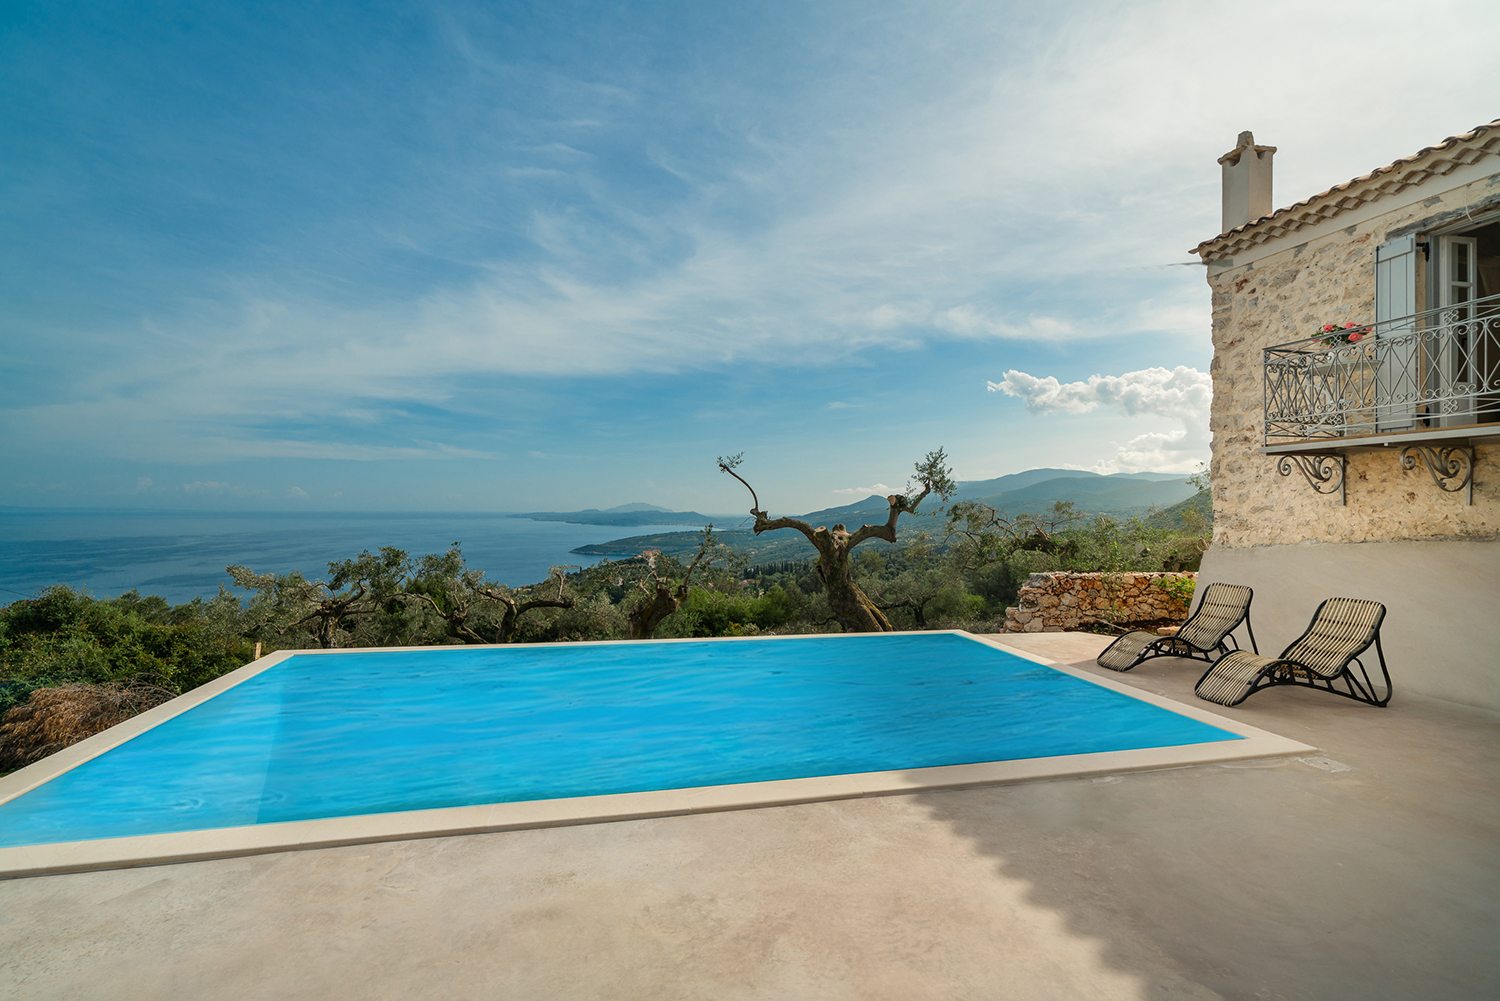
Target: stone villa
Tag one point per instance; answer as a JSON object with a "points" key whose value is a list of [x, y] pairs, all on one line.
{"points": [[1364, 460]]}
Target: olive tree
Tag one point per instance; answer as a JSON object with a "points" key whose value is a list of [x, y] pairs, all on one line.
{"points": [[666, 584], [476, 610], [288, 603], [850, 605]]}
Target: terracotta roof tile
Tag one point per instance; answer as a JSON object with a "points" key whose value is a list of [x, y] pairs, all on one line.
{"points": [[1443, 158]]}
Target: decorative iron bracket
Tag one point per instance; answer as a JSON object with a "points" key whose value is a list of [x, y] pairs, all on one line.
{"points": [[1323, 471], [1450, 466]]}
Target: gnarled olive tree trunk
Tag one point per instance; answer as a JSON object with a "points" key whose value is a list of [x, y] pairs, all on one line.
{"points": [[510, 619], [664, 600], [664, 595], [851, 606], [457, 594]]}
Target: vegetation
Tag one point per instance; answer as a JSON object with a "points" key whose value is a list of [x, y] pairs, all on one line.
{"points": [[835, 547], [71, 664], [666, 586], [472, 609], [1180, 588], [289, 603], [53, 718], [64, 637], [1034, 491]]}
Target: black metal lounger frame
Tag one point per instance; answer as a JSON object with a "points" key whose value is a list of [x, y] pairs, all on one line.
{"points": [[1175, 646], [1198, 653], [1360, 688]]}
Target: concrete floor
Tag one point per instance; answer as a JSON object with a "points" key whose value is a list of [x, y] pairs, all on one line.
{"points": [[1368, 871]]}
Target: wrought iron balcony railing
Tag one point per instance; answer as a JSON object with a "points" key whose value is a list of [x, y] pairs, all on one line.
{"points": [[1437, 371]]}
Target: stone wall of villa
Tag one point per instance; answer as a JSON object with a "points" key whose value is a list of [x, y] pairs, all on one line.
{"points": [[1283, 291], [1052, 602]]}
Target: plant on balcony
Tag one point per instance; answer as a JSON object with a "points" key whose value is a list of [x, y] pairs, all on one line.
{"points": [[1336, 334]]}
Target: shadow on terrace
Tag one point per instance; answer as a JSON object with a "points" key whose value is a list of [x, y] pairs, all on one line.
{"points": [[1363, 871]]}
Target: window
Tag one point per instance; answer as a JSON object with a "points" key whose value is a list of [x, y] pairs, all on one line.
{"points": [[1463, 284], [1440, 367]]}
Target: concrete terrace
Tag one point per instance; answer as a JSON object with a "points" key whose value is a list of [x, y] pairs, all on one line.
{"points": [[1367, 871]]}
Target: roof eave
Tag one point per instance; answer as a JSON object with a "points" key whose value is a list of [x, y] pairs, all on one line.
{"points": [[1484, 140]]}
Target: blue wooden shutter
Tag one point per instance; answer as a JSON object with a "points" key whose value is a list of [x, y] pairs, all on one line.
{"points": [[1398, 382]]}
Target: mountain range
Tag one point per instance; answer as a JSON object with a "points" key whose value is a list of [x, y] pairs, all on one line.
{"points": [[1030, 491]]}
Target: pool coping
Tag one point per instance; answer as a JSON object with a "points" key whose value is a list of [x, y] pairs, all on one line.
{"points": [[226, 842]]}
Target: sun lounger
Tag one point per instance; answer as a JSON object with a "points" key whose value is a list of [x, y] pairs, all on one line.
{"points": [[1326, 657], [1207, 631]]}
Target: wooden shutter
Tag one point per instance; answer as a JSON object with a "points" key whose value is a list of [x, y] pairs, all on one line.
{"points": [[1398, 381]]}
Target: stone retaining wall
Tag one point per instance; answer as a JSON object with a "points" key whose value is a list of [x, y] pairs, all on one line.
{"points": [[1050, 602]]}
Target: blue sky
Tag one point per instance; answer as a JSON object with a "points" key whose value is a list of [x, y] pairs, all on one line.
{"points": [[501, 256]]}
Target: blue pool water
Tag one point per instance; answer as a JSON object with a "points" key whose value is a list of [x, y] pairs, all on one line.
{"points": [[330, 735]]}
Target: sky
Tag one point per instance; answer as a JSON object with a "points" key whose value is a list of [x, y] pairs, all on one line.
{"points": [[504, 256]]}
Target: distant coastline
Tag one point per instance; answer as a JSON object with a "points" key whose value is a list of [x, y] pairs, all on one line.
{"points": [[624, 519], [182, 555]]}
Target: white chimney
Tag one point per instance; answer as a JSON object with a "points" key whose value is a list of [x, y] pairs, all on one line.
{"points": [[1247, 182]]}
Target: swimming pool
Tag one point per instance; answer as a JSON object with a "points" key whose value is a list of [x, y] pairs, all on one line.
{"points": [[312, 737]]}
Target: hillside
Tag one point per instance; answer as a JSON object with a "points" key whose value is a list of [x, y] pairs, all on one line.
{"points": [[974, 489], [1029, 492], [1096, 494], [1198, 508]]}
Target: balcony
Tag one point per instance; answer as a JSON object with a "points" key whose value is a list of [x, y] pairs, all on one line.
{"points": [[1427, 383]]}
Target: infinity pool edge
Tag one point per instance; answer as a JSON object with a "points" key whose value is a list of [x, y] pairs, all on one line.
{"points": [[224, 842]]}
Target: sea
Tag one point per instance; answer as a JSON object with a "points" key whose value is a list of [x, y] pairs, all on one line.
{"points": [[183, 556]]}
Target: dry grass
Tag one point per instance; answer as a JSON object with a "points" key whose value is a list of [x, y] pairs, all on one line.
{"points": [[53, 718]]}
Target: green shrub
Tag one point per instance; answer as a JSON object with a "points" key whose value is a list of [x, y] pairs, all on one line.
{"points": [[1180, 588], [65, 637]]}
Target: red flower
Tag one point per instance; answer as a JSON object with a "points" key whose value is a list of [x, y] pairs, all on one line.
{"points": [[1356, 336], [1328, 328], [1350, 326]]}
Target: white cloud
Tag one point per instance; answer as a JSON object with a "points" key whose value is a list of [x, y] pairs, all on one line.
{"points": [[1157, 451], [1183, 394], [328, 451], [879, 489], [296, 492], [143, 483], [970, 321], [1176, 392], [1019, 177]]}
